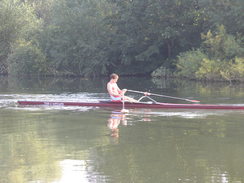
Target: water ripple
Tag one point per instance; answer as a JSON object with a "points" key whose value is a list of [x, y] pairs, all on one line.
{"points": [[9, 101]]}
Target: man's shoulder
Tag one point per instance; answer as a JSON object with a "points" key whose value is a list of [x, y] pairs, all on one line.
{"points": [[112, 84], [109, 84]]}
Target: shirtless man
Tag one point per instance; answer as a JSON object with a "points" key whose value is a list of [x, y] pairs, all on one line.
{"points": [[116, 94]]}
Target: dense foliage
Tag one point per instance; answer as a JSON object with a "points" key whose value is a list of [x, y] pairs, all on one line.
{"points": [[90, 38], [220, 57]]}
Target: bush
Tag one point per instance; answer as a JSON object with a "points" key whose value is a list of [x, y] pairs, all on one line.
{"points": [[27, 59], [237, 68], [219, 58], [221, 70], [189, 62], [209, 70]]}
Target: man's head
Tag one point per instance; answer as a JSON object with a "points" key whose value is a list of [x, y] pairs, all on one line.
{"points": [[114, 76]]}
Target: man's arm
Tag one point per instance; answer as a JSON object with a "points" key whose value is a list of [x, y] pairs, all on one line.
{"points": [[117, 91], [121, 92]]}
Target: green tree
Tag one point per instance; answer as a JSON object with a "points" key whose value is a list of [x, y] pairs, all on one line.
{"points": [[27, 59], [42, 9], [224, 12], [152, 32], [220, 45], [92, 38], [76, 41], [17, 22]]}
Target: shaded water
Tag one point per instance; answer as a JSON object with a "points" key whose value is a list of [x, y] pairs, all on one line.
{"points": [[56, 144]]}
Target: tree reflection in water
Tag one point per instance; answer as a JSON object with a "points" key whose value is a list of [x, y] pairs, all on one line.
{"points": [[25, 157]]}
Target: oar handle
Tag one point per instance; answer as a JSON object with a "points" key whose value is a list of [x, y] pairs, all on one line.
{"points": [[136, 91], [166, 96]]}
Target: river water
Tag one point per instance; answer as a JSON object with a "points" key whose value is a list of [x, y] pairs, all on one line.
{"points": [[57, 144]]}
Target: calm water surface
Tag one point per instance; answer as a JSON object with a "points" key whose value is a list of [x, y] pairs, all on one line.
{"points": [[55, 144]]}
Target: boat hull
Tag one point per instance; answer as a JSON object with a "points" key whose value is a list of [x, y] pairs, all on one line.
{"points": [[135, 105]]}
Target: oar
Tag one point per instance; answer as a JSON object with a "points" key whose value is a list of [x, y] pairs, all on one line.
{"points": [[123, 105], [166, 96]]}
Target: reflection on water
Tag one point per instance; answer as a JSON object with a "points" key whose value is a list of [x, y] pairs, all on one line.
{"points": [[114, 121], [48, 144], [23, 156], [73, 146], [73, 171]]}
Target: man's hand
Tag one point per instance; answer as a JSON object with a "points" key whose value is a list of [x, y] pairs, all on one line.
{"points": [[146, 93], [124, 90]]}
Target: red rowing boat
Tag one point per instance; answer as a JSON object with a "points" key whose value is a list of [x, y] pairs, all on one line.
{"points": [[136, 105]]}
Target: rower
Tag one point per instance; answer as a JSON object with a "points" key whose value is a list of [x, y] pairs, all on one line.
{"points": [[116, 94]]}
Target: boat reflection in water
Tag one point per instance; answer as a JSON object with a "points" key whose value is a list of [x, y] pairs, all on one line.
{"points": [[114, 121]]}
